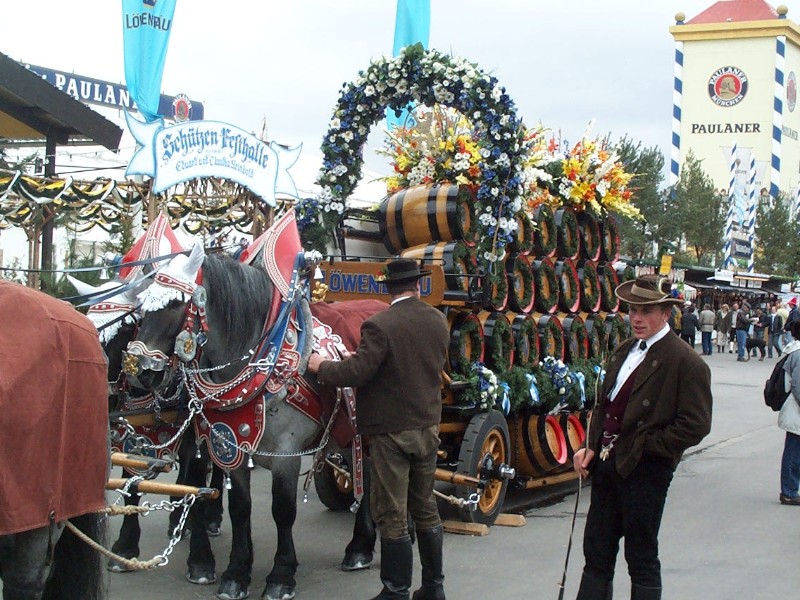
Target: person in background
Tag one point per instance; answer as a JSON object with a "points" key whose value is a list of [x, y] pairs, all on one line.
{"points": [[775, 330], [789, 421], [742, 328], [761, 324], [706, 322], [734, 312], [791, 316], [654, 404], [784, 314], [689, 325], [722, 325], [397, 370]]}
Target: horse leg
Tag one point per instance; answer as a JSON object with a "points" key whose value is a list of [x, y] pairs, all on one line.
{"points": [[358, 554], [25, 570], [201, 564], [127, 544], [213, 508], [236, 579], [187, 452], [77, 571], [280, 581]]}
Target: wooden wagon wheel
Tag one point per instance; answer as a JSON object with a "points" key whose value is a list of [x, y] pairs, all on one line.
{"points": [[335, 485], [486, 435]]}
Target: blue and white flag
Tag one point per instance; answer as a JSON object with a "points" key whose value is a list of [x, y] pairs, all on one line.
{"points": [[412, 24], [146, 25]]}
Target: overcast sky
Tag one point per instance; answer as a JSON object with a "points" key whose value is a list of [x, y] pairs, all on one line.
{"points": [[562, 62]]}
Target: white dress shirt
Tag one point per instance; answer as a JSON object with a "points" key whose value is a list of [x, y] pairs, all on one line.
{"points": [[634, 359]]}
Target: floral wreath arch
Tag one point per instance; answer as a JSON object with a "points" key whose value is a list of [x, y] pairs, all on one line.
{"points": [[430, 77]]}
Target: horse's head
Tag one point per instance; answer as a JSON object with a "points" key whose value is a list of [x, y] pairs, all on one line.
{"points": [[167, 325]]}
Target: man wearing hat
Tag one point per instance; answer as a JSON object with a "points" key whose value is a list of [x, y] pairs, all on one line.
{"points": [[654, 404], [397, 370]]}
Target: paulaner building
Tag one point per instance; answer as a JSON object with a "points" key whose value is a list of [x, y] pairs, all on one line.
{"points": [[735, 105]]}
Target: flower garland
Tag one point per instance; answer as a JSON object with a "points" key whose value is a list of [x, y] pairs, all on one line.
{"points": [[546, 285], [429, 78], [312, 233], [520, 283], [590, 286], [484, 391], [565, 384]]}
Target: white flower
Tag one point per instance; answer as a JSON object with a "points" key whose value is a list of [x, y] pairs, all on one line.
{"points": [[369, 90]]}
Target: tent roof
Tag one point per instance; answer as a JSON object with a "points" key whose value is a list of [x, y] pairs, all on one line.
{"points": [[726, 11], [32, 109]]}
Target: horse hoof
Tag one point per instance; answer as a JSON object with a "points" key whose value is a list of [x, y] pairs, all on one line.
{"points": [[356, 561], [278, 591], [201, 576], [115, 566], [232, 590], [214, 529]]}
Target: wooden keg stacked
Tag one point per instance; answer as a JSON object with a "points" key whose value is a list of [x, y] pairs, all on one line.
{"points": [[552, 295]]}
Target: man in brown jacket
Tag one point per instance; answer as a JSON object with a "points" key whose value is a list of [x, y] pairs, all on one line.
{"points": [[655, 403], [397, 370]]}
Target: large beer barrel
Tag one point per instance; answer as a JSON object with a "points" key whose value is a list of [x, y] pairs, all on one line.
{"points": [[498, 339], [576, 339], [538, 444], [591, 239], [524, 237], [526, 340], [466, 342], [610, 236], [545, 283], [574, 432], [545, 241], [569, 240], [589, 286], [608, 284], [427, 213], [456, 258], [551, 336], [568, 285], [521, 292]]}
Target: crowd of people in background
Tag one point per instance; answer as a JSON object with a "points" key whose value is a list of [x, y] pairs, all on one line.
{"points": [[763, 331]]}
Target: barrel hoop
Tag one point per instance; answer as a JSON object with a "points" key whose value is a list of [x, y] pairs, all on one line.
{"points": [[397, 217]]}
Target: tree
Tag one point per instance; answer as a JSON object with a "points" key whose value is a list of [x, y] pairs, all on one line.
{"points": [[648, 166], [698, 211], [776, 237]]}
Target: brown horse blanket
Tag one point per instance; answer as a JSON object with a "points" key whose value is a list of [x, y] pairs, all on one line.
{"points": [[53, 411]]}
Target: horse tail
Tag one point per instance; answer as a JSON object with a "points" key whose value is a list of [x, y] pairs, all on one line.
{"points": [[77, 572]]}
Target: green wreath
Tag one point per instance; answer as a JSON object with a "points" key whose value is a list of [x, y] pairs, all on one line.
{"points": [[429, 78], [567, 228], [590, 286], [608, 284], [524, 239], [520, 283], [615, 328], [526, 341], [466, 342], [610, 245], [568, 285], [551, 337], [592, 332], [625, 273], [591, 238], [495, 290], [599, 329], [499, 340], [546, 238], [545, 281], [578, 339]]}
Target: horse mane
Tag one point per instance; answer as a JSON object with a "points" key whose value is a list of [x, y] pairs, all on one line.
{"points": [[239, 299]]}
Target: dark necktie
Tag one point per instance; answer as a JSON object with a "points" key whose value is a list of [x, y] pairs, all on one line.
{"points": [[642, 345]]}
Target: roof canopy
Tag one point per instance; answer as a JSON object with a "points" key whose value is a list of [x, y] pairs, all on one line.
{"points": [[32, 109], [726, 11]]}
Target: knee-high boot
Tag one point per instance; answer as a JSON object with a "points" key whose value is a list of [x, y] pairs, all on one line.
{"points": [[430, 555], [594, 588], [397, 563], [641, 592]]}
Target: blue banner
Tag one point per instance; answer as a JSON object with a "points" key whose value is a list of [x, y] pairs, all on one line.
{"points": [[146, 25], [412, 24]]}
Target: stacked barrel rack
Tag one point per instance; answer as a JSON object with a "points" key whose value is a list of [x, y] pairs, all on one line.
{"points": [[553, 295]]}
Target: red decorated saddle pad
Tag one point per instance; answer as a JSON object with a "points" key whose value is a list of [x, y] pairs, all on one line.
{"points": [[53, 411]]}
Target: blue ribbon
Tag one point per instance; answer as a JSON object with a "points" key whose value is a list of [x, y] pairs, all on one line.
{"points": [[582, 383], [536, 399], [412, 24]]}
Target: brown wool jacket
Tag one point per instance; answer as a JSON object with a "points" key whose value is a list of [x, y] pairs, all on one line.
{"points": [[670, 405], [396, 369]]}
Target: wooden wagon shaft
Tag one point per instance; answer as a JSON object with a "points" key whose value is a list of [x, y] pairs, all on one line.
{"points": [[147, 418], [166, 489], [457, 478], [134, 461], [550, 479]]}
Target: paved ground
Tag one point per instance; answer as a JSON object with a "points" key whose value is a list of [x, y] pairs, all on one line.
{"points": [[724, 534]]}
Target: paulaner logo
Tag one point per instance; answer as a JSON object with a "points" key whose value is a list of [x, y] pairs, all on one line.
{"points": [[727, 86]]}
